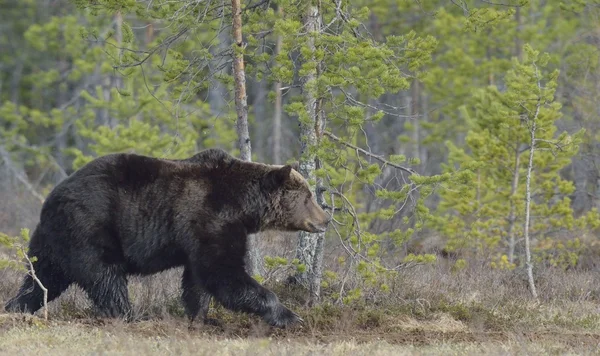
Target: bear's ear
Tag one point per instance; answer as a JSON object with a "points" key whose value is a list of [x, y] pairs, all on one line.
{"points": [[295, 166], [276, 178]]}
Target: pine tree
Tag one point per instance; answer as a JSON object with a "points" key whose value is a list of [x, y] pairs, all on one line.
{"points": [[478, 216]]}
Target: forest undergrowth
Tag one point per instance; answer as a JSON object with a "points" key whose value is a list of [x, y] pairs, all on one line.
{"points": [[426, 308]]}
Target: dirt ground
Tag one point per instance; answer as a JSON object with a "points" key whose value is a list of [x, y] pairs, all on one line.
{"points": [[27, 335]]}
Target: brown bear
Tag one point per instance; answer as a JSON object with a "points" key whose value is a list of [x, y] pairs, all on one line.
{"points": [[126, 214]]}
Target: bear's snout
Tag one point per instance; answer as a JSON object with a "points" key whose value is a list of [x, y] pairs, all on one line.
{"points": [[317, 228], [318, 220]]}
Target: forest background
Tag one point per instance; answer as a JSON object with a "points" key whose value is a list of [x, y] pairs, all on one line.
{"points": [[411, 119]]}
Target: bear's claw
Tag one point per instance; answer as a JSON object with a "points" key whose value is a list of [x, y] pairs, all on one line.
{"points": [[282, 317]]}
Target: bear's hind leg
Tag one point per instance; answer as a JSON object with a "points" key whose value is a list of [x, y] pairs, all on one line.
{"points": [[106, 286], [236, 290], [30, 297]]}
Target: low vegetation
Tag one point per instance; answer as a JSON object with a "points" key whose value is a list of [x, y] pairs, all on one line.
{"points": [[427, 309], [455, 142]]}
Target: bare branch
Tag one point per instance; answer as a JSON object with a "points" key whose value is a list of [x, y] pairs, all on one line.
{"points": [[367, 153], [39, 283], [501, 4]]}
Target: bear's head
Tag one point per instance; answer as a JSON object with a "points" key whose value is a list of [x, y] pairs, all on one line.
{"points": [[291, 204]]}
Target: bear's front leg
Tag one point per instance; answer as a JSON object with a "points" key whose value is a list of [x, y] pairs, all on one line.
{"points": [[237, 291], [196, 300]]}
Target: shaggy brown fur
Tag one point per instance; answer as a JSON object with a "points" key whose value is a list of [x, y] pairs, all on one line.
{"points": [[126, 214]]}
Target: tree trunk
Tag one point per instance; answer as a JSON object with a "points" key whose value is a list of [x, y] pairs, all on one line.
{"points": [[61, 137], [310, 246], [112, 80], [597, 194], [149, 34], [217, 94], [527, 209], [512, 217], [239, 74], [518, 42], [15, 83], [416, 133], [259, 89], [117, 81], [241, 107], [278, 107]]}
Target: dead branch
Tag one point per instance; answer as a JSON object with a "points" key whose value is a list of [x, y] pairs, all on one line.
{"points": [[39, 283], [367, 153]]}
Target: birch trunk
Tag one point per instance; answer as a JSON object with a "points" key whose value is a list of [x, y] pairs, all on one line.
{"points": [[241, 108], [512, 217], [529, 264], [310, 246], [515, 183]]}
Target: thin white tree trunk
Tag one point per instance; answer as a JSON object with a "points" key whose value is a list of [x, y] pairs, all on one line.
{"points": [[512, 217], [527, 213], [241, 107], [528, 261], [310, 246]]}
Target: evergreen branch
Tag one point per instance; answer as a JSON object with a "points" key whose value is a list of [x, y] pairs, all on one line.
{"points": [[367, 153]]}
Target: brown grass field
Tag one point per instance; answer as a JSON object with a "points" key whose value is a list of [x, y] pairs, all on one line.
{"points": [[429, 310]]}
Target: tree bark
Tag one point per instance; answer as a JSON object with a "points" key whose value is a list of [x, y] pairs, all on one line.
{"points": [[310, 246], [518, 42], [239, 74], [416, 134], [527, 211], [61, 137], [217, 94], [241, 107], [512, 217], [15, 84], [259, 90], [278, 107]]}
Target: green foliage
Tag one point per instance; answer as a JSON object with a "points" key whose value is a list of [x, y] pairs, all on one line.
{"points": [[475, 50], [479, 214], [87, 89], [165, 121], [17, 250], [349, 70]]}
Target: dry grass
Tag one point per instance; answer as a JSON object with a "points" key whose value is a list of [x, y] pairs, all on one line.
{"points": [[33, 336], [429, 310]]}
